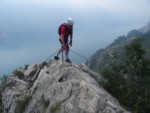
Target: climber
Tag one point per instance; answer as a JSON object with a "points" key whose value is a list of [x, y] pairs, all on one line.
{"points": [[65, 31]]}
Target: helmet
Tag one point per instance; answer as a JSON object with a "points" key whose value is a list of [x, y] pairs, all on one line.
{"points": [[70, 21]]}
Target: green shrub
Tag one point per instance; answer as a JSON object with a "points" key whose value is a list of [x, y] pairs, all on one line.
{"points": [[31, 111], [3, 82], [55, 107], [21, 104], [44, 102], [1, 109], [18, 73], [2, 87], [26, 66]]}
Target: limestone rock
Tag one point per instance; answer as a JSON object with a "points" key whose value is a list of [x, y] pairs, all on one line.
{"points": [[59, 87]]}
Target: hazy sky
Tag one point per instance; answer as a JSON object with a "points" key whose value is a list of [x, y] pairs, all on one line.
{"points": [[28, 28]]}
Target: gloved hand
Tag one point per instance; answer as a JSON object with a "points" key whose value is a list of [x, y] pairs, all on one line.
{"points": [[65, 47], [70, 43]]}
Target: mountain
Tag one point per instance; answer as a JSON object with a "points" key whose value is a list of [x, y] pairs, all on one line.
{"points": [[57, 87], [103, 57], [145, 28]]}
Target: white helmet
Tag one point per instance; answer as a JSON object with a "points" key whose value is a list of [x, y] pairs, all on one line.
{"points": [[70, 21]]}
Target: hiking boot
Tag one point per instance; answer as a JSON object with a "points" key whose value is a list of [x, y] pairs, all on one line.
{"points": [[56, 58], [68, 60]]}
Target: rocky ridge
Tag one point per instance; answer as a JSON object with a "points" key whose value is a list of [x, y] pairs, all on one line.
{"points": [[58, 87]]}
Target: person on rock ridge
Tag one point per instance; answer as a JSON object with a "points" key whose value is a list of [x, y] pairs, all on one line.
{"points": [[65, 31]]}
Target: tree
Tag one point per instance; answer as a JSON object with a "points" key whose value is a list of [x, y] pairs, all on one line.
{"points": [[135, 63], [138, 76], [130, 81]]}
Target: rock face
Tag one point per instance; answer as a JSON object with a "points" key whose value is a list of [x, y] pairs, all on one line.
{"points": [[58, 87]]}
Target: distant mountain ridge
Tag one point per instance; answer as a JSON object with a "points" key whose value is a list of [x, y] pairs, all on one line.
{"points": [[100, 60], [145, 28]]}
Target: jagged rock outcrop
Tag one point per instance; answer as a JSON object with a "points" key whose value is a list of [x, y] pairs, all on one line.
{"points": [[58, 87]]}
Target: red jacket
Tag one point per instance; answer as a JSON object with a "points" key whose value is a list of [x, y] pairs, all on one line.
{"points": [[65, 29]]}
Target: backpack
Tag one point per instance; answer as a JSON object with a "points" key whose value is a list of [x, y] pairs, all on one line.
{"points": [[68, 30]]}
